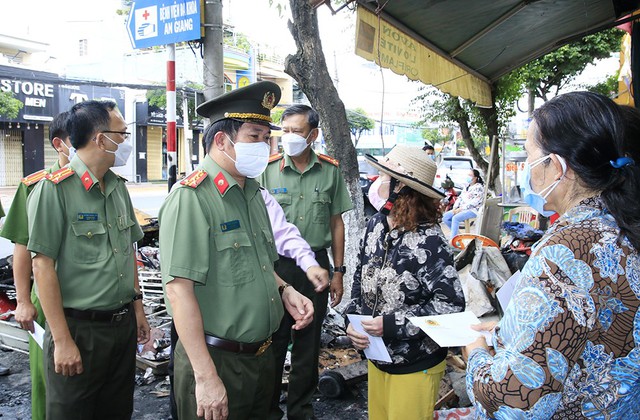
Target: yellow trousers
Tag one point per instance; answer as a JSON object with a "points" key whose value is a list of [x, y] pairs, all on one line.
{"points": [[404, 397]]}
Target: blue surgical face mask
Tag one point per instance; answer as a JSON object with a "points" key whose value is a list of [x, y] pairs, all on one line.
{"points": [[469, 179], [537, 200]]}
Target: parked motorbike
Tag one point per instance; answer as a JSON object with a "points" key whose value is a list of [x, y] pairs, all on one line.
{"points": [[450, 194]]}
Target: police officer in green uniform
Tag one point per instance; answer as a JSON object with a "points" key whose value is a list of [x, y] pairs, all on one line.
{"points": [[16, 230], [82, 229], [312, 192], [218, 252], [3, 369]]}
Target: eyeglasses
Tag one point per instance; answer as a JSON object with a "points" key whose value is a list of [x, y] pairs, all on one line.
{"points": [[125, 134]]}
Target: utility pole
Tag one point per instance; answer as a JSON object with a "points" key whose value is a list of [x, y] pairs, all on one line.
{"points": [[213, 67]]}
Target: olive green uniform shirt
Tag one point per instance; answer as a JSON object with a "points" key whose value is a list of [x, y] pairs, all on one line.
{"points": [[16, 227], [218, 235], [90, 235], [310, 198]]}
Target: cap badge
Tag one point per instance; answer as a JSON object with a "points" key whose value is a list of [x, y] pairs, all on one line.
{"points": [[269, 100]]}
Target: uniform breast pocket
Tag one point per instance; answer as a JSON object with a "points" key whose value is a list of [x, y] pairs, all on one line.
{"points": [[234, 253], [283, 199], [89, 242], [124, 224], [321, 204]]}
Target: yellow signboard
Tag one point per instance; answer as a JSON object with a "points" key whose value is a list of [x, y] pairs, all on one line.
{"points": [[381, 42]]}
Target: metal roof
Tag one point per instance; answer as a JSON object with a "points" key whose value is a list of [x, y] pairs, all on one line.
{"points": [[489, 38]]}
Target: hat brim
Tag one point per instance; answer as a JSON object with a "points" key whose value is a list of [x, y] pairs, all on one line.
{"points": [[409, 181], [259, 122]]}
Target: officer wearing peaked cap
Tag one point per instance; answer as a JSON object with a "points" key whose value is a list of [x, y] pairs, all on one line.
{"points": [[215, 234]]}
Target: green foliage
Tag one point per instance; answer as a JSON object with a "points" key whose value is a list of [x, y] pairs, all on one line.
{"points": [[359, 122], [553, 71], [126, 8], [433, 136], [158, 98], [276, 114], [9, 106], [236, 40], [608, 87], [280, 5]]}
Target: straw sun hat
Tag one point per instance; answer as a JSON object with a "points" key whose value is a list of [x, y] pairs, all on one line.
{"points": [[411, 166]]}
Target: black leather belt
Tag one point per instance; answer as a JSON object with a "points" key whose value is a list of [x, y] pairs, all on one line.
{"points": [[115, 315], [236, 347]]}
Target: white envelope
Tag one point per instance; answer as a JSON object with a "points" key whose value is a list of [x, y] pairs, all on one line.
{"points": [[377, 349], [451, 330]]}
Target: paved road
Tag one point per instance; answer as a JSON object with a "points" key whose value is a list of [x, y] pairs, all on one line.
{"points": [[145, 197]]}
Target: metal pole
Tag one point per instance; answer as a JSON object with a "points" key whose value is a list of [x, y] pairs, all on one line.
{"points": [[171, 117], [213, 50]]}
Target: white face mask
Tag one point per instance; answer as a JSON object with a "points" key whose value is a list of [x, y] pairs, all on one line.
{"points": [[294, 144], [122, 152], [251, 158], [71, 150]]}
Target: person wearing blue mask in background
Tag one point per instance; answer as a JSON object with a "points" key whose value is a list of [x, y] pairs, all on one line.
{"points": [[569, 343], [468, 203], [430, 151]]}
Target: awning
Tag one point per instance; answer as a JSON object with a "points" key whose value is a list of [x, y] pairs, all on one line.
{"points": [[462, 46]]}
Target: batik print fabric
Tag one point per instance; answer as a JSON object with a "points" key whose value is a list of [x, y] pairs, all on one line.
{"points": [[403, 274], [568, 346]]}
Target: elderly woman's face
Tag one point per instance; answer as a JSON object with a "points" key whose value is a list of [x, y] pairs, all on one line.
{"points": [[534, 154]]}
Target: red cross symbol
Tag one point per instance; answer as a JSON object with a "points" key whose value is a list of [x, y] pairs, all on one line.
{"points": [[145, 15]]}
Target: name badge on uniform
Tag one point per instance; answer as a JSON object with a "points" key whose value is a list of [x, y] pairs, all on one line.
{"points": [[87, 217], [279, 191], [227, 226]]}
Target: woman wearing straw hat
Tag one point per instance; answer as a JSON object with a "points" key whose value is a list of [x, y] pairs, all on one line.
{"points": [[405, 269]]}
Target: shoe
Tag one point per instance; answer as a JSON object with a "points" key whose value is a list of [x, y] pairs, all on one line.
{"points": [[4, 371]]}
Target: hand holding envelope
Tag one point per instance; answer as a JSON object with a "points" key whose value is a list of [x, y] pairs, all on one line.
{"points": [[376, 350]]}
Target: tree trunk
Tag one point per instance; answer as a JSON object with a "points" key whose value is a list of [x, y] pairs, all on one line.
{"points": [[532, 101], [490, 117], [309, 68]]}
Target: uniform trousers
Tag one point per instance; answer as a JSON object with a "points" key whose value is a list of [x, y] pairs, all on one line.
{"points": [[303, 377], [247, 378], [38, 386], [403, 396], [105, 389]]}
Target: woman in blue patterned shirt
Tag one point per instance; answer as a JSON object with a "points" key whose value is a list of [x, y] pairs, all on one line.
{"points": [[569, 343], [405, 269]]}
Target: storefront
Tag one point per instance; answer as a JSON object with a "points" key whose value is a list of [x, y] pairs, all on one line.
{"points": [[151, 144], [24, 140]]}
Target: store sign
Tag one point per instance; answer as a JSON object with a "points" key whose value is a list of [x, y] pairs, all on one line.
{"points": [[38, 98], [71, 94]]}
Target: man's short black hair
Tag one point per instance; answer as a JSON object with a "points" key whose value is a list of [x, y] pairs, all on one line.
{"points": [[86, 119], [312, 116], [58, 127], [228, 126], [428, 147]]}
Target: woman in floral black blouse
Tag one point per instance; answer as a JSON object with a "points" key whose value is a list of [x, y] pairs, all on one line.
{"points": [[405, 269]]}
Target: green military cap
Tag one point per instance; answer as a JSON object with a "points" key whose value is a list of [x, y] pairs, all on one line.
{"points": [[252, 103]]}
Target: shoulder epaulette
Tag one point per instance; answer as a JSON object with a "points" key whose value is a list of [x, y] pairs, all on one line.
{"points": [[276, 157], [329, 159], [195, 178], [122, 178], [34, 177], [60, 175]]}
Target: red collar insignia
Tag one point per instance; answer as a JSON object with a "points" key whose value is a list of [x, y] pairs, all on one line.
{"points": [[86, 180], [221, 183]]}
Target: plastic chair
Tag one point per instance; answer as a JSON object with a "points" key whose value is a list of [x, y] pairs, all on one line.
{"points": [[461, 240], [525, 215]]}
